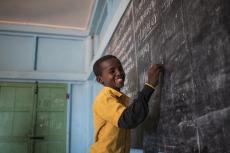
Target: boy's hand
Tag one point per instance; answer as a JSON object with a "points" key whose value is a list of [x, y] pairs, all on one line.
{"points": [[153, 74]]}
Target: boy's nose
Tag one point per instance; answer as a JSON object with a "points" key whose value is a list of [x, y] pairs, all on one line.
{"points": [[118, 72]]}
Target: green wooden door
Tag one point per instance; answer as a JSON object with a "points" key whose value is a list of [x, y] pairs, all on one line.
{"points": [[16, 111], [51, 119], [30, 121]]}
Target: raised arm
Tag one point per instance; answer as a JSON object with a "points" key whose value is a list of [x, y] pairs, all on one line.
{"points": [[135, 113]]}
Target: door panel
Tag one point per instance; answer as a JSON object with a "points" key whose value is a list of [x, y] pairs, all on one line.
{"points": [[6, 97], [14, 147], [50, 123], [16, 111], [51, 118], [44, 147], [52, 98], [32, 123], [22, 124], [6, 123], [24, 99]]}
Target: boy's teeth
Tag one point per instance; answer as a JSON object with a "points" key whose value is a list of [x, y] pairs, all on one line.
{"points": [[119, 80]]}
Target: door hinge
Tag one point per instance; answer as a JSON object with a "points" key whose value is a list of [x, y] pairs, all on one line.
{"points": [[67, 96], [36, 88]]}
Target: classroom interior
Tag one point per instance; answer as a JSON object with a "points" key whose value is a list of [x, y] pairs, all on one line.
{"points": [[47, 87]]}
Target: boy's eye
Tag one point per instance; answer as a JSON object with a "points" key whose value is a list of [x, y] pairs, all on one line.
{"points": [[112, 71]]}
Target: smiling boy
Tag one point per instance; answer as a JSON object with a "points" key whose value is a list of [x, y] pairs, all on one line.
{"points": [[113, 115]]}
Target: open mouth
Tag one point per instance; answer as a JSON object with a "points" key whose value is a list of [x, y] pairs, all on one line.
{"points": [[119, 80]]}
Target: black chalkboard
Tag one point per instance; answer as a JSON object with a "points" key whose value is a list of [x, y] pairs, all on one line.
{"points": [[191, 38]]}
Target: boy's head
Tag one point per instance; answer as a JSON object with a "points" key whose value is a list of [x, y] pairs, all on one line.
{"points": [[109, 72]]}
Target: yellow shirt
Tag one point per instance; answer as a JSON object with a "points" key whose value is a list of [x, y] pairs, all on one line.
{"points": [[107, 109]]}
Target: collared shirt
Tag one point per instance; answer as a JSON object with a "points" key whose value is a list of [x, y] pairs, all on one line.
{"points": [[107, 109]]}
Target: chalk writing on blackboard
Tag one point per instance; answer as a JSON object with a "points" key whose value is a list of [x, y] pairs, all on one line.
{"points": [[191, 38]]}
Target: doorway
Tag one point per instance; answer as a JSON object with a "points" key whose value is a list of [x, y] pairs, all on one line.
{"points": [[33, 118]]}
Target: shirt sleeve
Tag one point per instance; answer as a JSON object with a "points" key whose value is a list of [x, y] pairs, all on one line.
{"points": [[135, 113], [110, 109]]}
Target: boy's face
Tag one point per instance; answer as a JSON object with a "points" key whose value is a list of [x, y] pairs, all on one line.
{"points": [[112, 74]]}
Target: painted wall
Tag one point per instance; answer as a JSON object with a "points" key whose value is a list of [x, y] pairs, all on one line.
{"points": [[80, 108], [81, 120], [23, 47], [42, 57]]}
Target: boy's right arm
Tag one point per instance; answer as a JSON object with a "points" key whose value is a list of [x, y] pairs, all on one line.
{"points": [[153, 74]]}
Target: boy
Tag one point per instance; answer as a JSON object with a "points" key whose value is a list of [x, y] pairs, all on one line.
{"points": [[112, 116]]}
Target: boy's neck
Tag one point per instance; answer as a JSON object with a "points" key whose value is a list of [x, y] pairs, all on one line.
{"points": [[117, 89]]}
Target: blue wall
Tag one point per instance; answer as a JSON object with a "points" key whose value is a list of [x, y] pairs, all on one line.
{"points": [[42, 57], [80, 107], [81, 123]]}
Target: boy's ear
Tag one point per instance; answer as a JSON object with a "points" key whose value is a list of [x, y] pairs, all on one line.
{"points": [[99, 79]]}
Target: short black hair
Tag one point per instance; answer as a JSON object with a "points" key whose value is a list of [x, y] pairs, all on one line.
{"points": [[97, 65]]}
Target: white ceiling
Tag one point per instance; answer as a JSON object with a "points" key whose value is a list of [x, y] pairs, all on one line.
{"points": [[59, 14]]}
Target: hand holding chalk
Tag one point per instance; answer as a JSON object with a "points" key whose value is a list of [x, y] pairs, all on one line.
{"points": [[153, 74]]}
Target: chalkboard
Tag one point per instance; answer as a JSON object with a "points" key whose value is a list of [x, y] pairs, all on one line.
{"points": [[191, 39]]}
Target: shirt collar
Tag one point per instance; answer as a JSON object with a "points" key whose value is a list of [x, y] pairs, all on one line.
{"points": [[124, 98], [115, 92]]}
